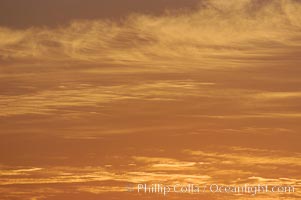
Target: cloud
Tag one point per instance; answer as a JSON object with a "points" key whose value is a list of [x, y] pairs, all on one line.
{"points": [[232, 165], [271, 95], [49, 101], [225, 72], [246, 158], [219, 34], [165, 164]]}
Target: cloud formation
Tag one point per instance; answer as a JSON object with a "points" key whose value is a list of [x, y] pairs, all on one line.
{"points": [[238, 166], [219, 34], [188, 95]]}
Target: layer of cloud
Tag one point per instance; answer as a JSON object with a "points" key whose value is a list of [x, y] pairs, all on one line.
{"points": [[225, 71], [219, 35], [229, 166]]}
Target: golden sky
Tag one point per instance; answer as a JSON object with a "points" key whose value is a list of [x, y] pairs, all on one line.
{"points": [[98, 95]]}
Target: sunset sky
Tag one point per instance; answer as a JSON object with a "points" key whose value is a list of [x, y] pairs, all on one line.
{"points": [[100, 95]]}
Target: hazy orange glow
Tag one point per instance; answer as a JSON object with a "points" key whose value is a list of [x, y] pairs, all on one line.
{"points": [[97, 96]]}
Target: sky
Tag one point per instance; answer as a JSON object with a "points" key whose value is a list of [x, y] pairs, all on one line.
{"points": [[99, 96]]}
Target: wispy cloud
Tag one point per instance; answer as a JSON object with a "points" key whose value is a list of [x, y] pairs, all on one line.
{"points": [[149, 94], [221, 34], [227, 165], [47, 101]]}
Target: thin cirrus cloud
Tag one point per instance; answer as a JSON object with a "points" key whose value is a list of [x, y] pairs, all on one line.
{"points": [[200, 38], [218, 35], [85, 95], [140, 98], [233, 165], [49, 101]]}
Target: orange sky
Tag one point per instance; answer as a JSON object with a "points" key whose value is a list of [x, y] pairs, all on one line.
{"points": [[99, 95]]}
